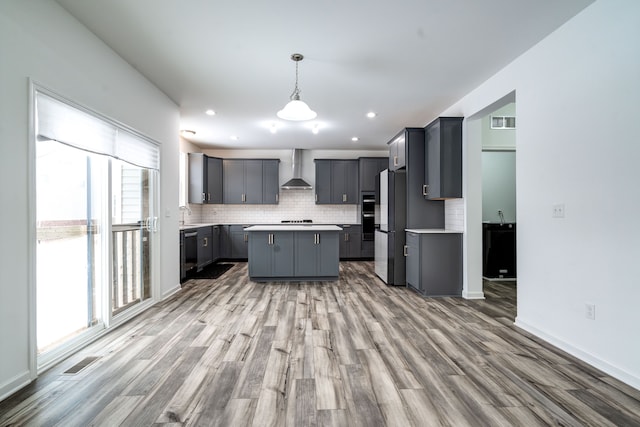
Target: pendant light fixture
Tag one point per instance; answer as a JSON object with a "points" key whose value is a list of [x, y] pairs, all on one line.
{"points": [[296, 110]]}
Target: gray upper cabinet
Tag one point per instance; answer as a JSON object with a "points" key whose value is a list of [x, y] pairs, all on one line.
{"points": [[270, 181], [443, 159], [397, 152], [250, 181], [323, 181], [420, 213], [368, 168], [336, 181], [205, 179]]}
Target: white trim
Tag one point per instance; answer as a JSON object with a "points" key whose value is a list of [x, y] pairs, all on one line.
{"points": [[472, 295], [171, 292], [498, 148], [584, 356], [31, 235], [15, 384]]}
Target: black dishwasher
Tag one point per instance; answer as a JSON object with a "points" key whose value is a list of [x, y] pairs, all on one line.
{"points": [[499, 250]]}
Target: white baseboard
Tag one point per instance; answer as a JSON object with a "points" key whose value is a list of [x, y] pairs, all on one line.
{"points": [[586, 357], [472, 295], [14, 384], [171, 291]]}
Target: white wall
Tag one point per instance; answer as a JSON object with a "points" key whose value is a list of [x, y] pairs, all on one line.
{"points": [[39, 40], [577, 133]]}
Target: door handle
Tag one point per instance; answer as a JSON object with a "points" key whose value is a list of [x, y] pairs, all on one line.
{"points": [[405, 250]]}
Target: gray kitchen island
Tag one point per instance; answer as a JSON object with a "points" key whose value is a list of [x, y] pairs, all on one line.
{"points": [[293, 252]]}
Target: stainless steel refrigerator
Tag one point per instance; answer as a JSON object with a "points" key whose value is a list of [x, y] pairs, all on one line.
{"points": [[390, 237]]}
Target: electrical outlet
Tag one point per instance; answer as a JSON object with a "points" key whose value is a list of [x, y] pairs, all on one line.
{"points": [[590, 311], [558, 211]]}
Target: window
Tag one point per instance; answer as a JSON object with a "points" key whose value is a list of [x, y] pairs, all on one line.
{"points": [[503, 122]]}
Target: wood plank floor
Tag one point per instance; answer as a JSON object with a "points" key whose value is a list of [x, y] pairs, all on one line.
{"points": [[353, 352]]}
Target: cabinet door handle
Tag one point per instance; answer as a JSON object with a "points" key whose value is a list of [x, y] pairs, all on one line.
{"points": [[405, 250], [344, 197], [204, 197], [318, 238], [244, 197], [208, 197], [277, 198], [395, 160], [424, 189], [205, 242], [316, 197], [246, 237]]}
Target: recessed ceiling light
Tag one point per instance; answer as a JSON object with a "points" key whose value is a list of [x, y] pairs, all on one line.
{"points": [[187, 132], [371, 114], [210, 112], [273, 128], [354, 139], [315, 129], [234, 137]]}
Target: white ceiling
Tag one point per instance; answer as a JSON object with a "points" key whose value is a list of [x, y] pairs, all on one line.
{"points": [[407, 60]]}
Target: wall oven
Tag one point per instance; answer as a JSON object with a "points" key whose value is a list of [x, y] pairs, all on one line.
{"points": [[368, 220]]}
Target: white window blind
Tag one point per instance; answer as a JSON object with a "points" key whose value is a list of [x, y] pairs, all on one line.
{"points": [[59, 121]]}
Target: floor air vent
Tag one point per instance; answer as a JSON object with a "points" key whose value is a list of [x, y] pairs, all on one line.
{"points": [[81, 365]]}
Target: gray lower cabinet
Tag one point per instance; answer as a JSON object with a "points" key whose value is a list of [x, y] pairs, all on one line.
{"points": [[271, 254], [434, 263], [216, 234], [239, 242], [205, 247], [350, 240], [320, 251]]}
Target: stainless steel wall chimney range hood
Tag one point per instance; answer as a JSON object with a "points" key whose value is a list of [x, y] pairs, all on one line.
{"points": [[296, 183]]}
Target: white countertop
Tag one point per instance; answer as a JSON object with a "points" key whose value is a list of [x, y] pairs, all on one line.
{"points": [[191, 226], [432, 231], [294, 227]]}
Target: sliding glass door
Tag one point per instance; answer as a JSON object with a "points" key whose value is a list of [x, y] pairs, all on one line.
{"points": [[133, 227], [70, 223], [96, 197]]}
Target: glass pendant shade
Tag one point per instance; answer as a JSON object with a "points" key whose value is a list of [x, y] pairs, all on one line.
{"points": [[296, 110]]}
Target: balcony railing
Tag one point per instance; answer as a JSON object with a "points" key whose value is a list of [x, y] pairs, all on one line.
{"points": [[130, 283]]}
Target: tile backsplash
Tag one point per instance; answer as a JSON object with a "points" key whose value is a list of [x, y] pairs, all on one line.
{"points": [[299, 204], [294, 205], [454, 214]]}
